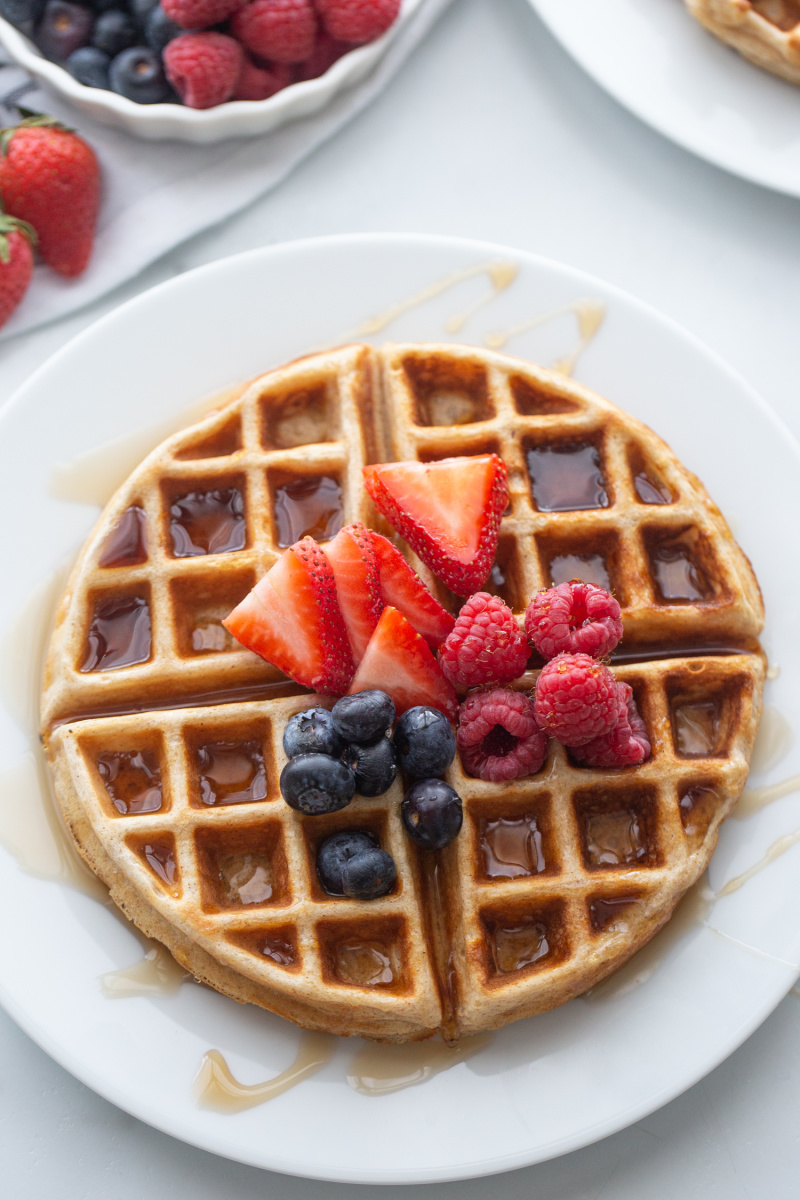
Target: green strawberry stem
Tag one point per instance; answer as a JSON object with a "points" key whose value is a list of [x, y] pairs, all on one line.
{"points": [[30, 120], [9, 225]]}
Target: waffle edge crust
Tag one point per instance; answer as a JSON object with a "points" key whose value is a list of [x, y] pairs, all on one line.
{"points": [[165, 739], [767, 32]]}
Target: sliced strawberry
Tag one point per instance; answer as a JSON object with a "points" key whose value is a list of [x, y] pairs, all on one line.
{"points": [[449, 512], [358, 585], [399, 662], [292, 619], [403, 588]]}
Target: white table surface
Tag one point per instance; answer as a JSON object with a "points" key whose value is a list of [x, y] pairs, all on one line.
{"points": [[491, 132]]}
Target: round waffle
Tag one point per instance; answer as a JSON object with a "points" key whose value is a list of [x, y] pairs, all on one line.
{"points": [[165, 737], [765, 31]]}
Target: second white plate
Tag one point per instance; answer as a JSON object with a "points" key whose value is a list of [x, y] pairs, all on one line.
{"points": [[654, 58]]}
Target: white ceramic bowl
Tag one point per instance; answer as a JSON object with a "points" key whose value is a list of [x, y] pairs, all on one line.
{"points": [[239, 118]]}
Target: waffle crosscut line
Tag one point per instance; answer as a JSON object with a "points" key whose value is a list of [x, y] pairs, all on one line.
{"points": [[167, 768], [767, 32]]}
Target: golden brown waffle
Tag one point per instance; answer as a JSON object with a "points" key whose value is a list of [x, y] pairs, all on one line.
{"points": [[554, 880], [765, 31], [162, 606]]}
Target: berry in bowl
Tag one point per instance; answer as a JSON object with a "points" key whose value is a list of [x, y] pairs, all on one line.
{"points": [[200, 70]]}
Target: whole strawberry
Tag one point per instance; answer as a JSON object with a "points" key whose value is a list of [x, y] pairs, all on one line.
{"points": [[16, 263], [49, 177]]}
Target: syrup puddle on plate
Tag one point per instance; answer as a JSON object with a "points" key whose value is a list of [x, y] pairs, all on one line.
{"points": [[501, 273], [94, 476], [30, 825], [156, 974], [376, 1070], [590, 315], [217, 1088], [774, 741]]}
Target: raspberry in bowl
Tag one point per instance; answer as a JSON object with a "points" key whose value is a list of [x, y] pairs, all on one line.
{"points": [[114, 65]]}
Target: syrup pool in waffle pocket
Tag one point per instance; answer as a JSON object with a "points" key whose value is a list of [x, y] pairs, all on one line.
{"points": [[165, 736]]}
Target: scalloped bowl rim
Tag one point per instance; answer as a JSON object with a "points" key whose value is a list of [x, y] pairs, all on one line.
{"points": [[23, 51]]}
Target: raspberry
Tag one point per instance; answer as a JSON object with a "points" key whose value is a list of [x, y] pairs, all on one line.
{"points": [[626, 744], [485, 645], [357, 20], [203, 67], [281, 30], [258, 83], [499, 736], [326, 52], [576, 699], [197, 14], [573, 618]]}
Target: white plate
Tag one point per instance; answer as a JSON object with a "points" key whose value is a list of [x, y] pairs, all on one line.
{"points": [[654, 58], [544, 1086], [239, 118]]}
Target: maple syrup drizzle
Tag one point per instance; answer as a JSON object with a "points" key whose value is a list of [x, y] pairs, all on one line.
{"points": [[209, 522], [378, 1070], [120, 634], [566, 477], [512, 847], [502, 274], [156, 974], [308, 507], [231, 773], [217, 1088], [31, 828], [94, 476], [590, 315], [696, 728], [614, 838], [126, 545], [591, 568], [778, 848], [237, 695]]}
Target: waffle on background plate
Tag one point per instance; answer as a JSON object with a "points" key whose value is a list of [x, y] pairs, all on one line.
{"points": [[765, 31], [165, 737]]}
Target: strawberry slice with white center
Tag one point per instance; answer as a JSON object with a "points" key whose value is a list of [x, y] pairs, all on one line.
{"points": [[398, 661], [291, 618], [449, 512], [404, 590], [358, 585]]}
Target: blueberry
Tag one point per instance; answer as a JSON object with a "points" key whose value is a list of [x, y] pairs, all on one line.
{"points": [[137, 73], [63, 28], [335, 851], [368, 875], [89, 66], [425, 742], [431, 813], [159, 29], [22, 13], [114, 31], [363, 718], [140, 10], [316, 783], [99, 6], [374, 766], [312, 732]]}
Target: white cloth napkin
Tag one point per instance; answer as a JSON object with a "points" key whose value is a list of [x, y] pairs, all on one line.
{"points": [[157, 194]]}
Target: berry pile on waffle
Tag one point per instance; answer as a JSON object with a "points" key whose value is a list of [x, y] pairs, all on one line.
{"points": [[765, 31], [407, 692]]}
